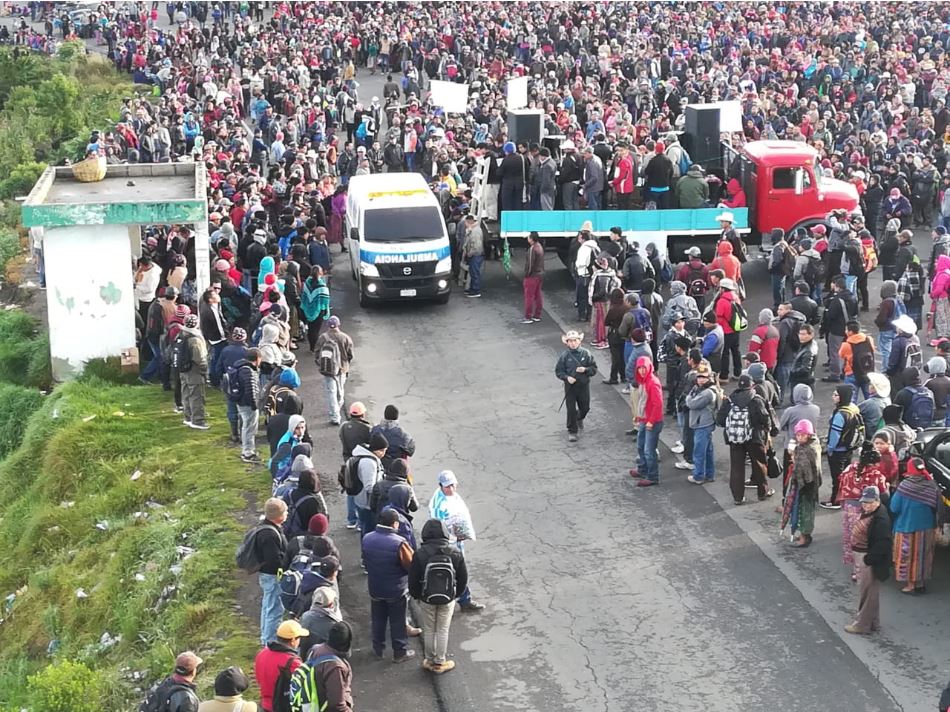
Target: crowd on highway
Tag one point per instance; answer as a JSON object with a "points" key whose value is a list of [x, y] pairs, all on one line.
{"points": [[268, 99]]}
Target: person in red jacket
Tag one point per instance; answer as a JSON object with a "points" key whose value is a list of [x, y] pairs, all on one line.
{"points": [[650, 423], [623, 181], [736, 197], [727, 261], [764, 340], [731, 338], [277, 655]]}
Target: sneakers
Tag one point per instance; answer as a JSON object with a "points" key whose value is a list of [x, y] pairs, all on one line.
{"points": [[186, 422], [749, 484], [625, 390], [768, 493], [608, 382], [572, 437], [472, 606], [852, 628], [632, 431], [693, 480], [683, 465], [413, 632], [678, 448], [534, 318], [527, 321], [829, 505], [199, 426], [580, 423], [407, 655], [353, 526], [250, 457], [178, 409], [470, 294]]}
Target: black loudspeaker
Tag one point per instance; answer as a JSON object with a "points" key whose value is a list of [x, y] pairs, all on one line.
{"points": [[525, 125], [702, 135]]}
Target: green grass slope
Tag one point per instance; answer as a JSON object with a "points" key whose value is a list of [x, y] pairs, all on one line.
{"points": [[117, 535]]}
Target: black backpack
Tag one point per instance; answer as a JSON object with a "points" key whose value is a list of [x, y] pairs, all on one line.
{"points": [[159, 698], [231, 384], [814, 272], [438, 581], [181, 353], [291, 525], [281, 702], [349, 477], [862, 358], [696, 285]]}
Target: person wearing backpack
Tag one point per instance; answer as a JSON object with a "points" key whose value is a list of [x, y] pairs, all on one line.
{"points": [[191, 360], [364, 470], [324, 681], [695, 275], [177, 692], [890, 308], [333, 356], [355, 431], [235, 351], [905, 353], [840, 307], [857, 357], [274, 666], [916, 399], [397, 473], [810, 267], [262, 552], [303, 503], [845, 435], [437, 578], [726, 307], [744, 418], [781, 265], [244, 386]]}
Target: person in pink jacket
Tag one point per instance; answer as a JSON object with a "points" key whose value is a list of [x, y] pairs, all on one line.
{"points": [[940, 294]]}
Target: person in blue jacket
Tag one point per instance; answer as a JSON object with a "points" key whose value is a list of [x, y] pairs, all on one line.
{"points": [[914, 509]]}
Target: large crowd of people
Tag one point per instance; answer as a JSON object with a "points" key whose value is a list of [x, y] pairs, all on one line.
{"points": [[268, 99]]}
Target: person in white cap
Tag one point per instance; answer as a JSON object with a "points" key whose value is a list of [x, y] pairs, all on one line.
{"points": [[447, 505], [726, 221], [575, 366], [570, 176]]}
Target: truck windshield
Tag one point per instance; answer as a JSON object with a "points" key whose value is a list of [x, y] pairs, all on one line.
{"points": [[403, 224]]}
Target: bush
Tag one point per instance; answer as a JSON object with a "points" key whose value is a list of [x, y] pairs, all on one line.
{"points": [[66, 686], [21, 179], [17, 404]]}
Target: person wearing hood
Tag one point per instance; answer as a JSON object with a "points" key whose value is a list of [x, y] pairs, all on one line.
{"points": [[939, 384], [293, 436], [940, 294], [746, 424], [314, 540], [575, 367], [194, 376], [303, 503], [254, 254], [397, 473], [683, 304], [737, 198], [692, 191], [326, 677], [765, 338], [324, 611], [703, 401], [840, 307], [803, 408], [271, 354], [401, 499], [804, 481], [865, 472], [723, 312], [636, 268], [916, 400], [229, 686], [638, 347], [905, 352], [433, 589], [857, 357], [809, 268], [280, 395], [890, 308], [727, 261], [872, 407], [649, 422], [401, 444], [369, 471], [845, 434]]}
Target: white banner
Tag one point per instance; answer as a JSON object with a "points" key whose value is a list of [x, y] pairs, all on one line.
{"points": [[452, 97], [517, 93]]}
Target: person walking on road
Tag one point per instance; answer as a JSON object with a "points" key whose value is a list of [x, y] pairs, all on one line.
{"points": [[871, 542], [437, 578], [533, 279], [334, 355], [387, 557], [447, 505], [745, 420], [576, 366]]}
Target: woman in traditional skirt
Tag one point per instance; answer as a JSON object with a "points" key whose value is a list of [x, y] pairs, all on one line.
{"points": [[940, 294], [914, 506], [857, 476], [804, 476]]}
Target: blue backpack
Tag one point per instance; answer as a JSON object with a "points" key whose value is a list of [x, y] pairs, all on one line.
{"points": [[685, 161], [921, 411]]}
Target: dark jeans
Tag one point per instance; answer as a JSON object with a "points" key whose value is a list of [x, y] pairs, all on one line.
{"points": [[511, 195], [313, 332], [154, 366], [616, 360], [837, 461], [687, 437], [730, 346], [863, 295], [624, 201], [580, 294], [214, 367], [661, 198], [577, 400], [755, 452], [392, 613], [778, 289], [475, 274], [783, 371]]}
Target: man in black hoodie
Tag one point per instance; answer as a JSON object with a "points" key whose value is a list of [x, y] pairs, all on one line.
{"points": [[397, 473], [437, 562]]}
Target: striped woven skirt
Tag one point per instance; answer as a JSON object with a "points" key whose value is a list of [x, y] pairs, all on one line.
{"points": [[914, 555], [850, 513]]}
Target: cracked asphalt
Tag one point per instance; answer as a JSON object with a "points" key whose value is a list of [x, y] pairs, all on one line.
{"points": [[601, 596]]}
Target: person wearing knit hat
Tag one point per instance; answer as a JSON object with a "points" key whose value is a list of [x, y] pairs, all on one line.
{"points": [[747, 423], [190, 360], [229, 686], [845, 434], [514, 171], [801, 499], [231, 354], [401, 443]]}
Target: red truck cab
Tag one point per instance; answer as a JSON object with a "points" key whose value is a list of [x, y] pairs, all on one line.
{"points": [[783, 186]]}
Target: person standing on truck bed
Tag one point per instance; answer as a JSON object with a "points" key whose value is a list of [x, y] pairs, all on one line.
{"points": [[623, 181], [658, 178], [593, 179], [515, 173]]}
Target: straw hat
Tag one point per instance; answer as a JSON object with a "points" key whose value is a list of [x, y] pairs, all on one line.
{"points": [[572, 335]]}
